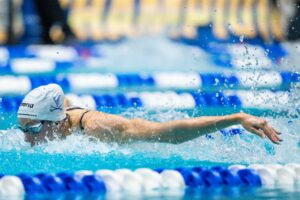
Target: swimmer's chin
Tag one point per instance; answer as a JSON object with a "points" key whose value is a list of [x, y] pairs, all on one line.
{"points": [[36, 140]]}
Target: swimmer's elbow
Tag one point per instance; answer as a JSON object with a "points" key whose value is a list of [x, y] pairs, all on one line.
{"points": [[144, 130], [140, 129]]}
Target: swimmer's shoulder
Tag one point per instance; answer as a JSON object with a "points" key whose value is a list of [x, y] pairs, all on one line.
{"points": [[80, 117]]}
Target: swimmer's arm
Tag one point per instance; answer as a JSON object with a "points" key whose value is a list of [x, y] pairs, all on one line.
{"points": [[179, 131], [109, 127], [116, 128]]}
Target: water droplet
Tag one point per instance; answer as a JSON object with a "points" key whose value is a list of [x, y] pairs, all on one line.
{"points": [[229, 26], [242, 38]]}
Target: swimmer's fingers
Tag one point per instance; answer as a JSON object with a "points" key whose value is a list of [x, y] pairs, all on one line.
{"points": [[271, 134], [280, 140], [258, 132], [277, 132]]}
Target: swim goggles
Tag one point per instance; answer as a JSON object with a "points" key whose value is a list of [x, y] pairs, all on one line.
{"points": [[34, 129]]}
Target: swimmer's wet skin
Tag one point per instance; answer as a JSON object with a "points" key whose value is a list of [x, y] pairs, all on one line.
{"points": [[46, 119]]}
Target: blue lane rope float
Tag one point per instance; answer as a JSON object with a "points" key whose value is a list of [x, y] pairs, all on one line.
{"points": [[144, 180], [72, 183], [169, 100], [10, 84]]}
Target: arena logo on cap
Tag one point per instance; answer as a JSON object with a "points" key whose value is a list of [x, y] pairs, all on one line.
{"points": [[28, 105], [57, 106]]}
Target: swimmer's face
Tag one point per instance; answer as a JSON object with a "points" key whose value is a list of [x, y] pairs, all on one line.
{"points": [[37, 131]]}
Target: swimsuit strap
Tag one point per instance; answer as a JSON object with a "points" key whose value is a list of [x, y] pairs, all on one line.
{"points": [[74, 108], [80, 121]]}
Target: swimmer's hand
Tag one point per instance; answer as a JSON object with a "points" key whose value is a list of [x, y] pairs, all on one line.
{"points": [[259, 127]]}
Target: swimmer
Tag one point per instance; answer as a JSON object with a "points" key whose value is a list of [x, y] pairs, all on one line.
{"points": [[45, 114]]}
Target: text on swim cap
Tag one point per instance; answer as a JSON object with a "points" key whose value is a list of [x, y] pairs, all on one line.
{"points": [[29, 105]]}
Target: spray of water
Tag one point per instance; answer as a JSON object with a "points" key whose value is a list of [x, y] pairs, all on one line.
{"points": [[81, 152]]}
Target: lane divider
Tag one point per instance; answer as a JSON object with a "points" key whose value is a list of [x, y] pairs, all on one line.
{"points": [[148, 181], [169, 100], [221, 55], [191, 81]]}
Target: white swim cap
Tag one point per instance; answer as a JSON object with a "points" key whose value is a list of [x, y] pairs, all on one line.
{"points": [[43, 103]]}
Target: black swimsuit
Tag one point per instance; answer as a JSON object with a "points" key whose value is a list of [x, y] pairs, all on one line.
{"points": [[80, 120]]}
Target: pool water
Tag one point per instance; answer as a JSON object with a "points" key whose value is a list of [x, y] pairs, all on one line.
{"points": [[79, 152]]}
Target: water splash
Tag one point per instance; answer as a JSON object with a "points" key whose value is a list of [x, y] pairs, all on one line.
{"points": [[242, 37], [293, 105], [82, 152]]}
